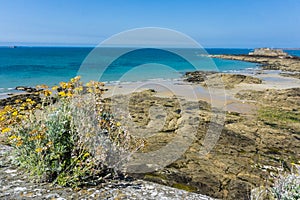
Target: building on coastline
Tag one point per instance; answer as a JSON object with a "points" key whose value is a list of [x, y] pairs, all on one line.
{"points": [[268, 52]]}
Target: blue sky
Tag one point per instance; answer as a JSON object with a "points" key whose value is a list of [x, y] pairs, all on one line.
{"points": [[213, 23]]}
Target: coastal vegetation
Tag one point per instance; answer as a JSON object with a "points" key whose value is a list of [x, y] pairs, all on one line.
{"points": [[287, 186], [279, 117], [67, 137]]}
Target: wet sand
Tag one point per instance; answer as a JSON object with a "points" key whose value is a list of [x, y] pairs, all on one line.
{"points": [[218, 97]]}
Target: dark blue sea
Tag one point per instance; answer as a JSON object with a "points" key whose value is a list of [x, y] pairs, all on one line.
{"points": [[30, 66]]}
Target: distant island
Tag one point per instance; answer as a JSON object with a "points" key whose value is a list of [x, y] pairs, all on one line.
{"points": [[269, 52], [270, 59]]}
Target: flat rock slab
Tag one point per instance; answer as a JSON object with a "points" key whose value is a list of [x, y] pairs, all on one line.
{"points": [[15, 184]]}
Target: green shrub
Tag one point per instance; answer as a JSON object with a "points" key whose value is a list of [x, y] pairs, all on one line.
{"points": [[71, 142], [287, 186]]}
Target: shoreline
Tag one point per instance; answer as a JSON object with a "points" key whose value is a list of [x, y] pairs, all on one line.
{"points": [[252, 139], [270, 80], [291, 63], [267, 65]]}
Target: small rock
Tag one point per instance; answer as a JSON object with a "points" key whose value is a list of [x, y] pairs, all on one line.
{"points": [[20, 189]]}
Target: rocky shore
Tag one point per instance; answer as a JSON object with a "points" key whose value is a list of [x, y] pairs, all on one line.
{"points": [[252, 149], [14, 184], [249, 148], [291, 64], [218, 79]]}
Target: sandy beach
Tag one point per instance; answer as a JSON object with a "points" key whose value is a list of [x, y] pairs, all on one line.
{"points": [[196, 92]]}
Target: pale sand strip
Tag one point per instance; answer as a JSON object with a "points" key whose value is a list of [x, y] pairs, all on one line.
{"points": [[195, 92]]}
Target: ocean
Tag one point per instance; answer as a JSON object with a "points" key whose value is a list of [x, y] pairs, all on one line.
{"points": [[30, 66]]}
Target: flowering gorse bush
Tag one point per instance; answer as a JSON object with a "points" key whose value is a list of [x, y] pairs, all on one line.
{"points": [[66, 138]]}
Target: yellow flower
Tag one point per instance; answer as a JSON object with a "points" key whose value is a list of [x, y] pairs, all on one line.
{"points": [[22, 108], [2, 118], [28, 100], [38, 150], [118, 124], [19, 143], [44, 86], [77, 78], [38, 137], [86, 154], [69, 85], [63, 85], [12, 137], [47, 92], [78, 89], [20, 116], [5, 130], [62, 93], [69, 94], [7, 108], [18, 101], [54, 87], [89, 84], [15, 113], [49, 144]]}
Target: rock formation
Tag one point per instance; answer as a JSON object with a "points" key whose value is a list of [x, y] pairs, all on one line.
{"points": [[268, 63], [268, 52], [226, 81], [249, 148]]}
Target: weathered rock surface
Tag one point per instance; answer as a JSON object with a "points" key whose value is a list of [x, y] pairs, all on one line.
{"points": [[287, 99], [268, 63], [249, 147], [293, 75], [22, 97], [214, 79], [197, 76], [15, 184]]}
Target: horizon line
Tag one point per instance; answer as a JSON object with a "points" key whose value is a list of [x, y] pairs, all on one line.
{"points": [[93, 46]]}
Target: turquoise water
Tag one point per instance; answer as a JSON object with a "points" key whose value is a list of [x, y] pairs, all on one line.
{"points": [[29, 66]]}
